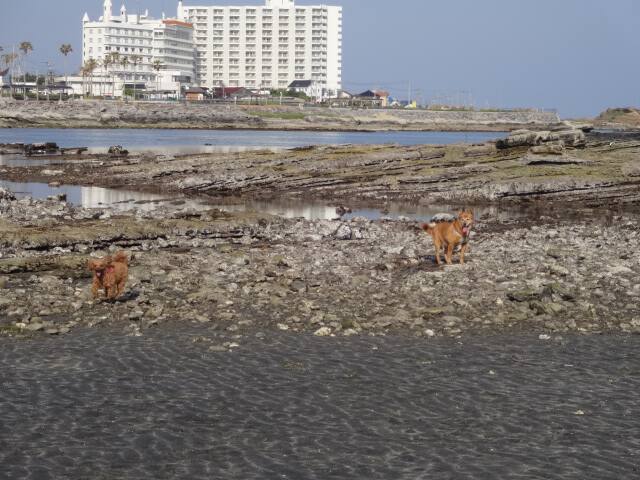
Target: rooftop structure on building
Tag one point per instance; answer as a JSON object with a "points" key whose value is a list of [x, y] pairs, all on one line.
{"points": [[267, 47], [135, 48]]}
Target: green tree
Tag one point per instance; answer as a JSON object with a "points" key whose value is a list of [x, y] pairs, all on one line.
{"points": [[65, 49], [135, 60], [124, 62], [90, 67], [157, 66], [9, 59], [107, 62], [114, 59], [26, 48]]}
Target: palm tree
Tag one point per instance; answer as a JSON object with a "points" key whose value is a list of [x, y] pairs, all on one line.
{"points": [[157, 66], [65, 49], [124, 62], [25, 48], [83, 74], [109, 62], [9, 59], [106, 64], [100, 65], [115, 58], [135, 59], [89, 67]]}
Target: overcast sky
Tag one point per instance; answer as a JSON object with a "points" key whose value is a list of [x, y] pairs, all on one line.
{"points": [[578, 56]]}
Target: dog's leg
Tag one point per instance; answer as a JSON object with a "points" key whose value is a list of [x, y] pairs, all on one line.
{"points": [[94, 289], [121, 285], [449, 254], [463, 250], [436, 244]]}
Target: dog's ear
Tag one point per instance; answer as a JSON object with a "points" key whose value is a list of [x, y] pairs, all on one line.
{"points": [[91, 264]]}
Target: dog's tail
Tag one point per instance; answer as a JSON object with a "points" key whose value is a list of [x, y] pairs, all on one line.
{"points": [[428, 227], [121, 257]]}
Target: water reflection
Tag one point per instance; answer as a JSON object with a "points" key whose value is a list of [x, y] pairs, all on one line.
{"points": [[19, 160], [307, 210], [87, 197], [123, 200], [96, 197], [393, 211]]}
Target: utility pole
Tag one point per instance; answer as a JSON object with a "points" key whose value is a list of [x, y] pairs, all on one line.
{"points": [[49, 80]]}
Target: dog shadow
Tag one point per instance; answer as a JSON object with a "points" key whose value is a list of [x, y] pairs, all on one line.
{"points": [[428, 262], [124, 298]]}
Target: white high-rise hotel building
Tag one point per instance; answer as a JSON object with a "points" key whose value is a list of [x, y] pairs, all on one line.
{"points": [[142, 41], [212, 46], [267, 46]]}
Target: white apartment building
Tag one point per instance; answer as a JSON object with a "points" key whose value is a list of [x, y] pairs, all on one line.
{"points": [[267, 46], [159, 53]]}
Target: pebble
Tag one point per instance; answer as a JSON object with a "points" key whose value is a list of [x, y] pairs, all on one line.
{"points": [[322, 332]]}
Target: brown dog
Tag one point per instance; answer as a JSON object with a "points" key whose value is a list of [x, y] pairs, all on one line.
{"points": [[109, 273], [448, 232]]}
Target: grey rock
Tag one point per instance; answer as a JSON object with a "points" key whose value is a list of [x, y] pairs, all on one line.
{"points": [[322, 332], [343, 232]]}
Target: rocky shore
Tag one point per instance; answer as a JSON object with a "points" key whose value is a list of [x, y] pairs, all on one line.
{"points": [[573, 268], [240, 273], [563, 165], [116, 114]]}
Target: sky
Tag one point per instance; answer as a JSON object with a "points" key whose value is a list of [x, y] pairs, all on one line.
{"points": [[577, 56]]}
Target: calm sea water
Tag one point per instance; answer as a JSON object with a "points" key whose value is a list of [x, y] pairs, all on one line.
{"points": [[160, 139]]}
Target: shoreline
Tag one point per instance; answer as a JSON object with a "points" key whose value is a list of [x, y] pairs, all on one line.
{"points": [[103, 114], [443, 129]]}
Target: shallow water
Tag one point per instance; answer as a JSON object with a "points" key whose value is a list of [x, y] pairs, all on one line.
{"points": [[122, 200], [87, 197], [159, 139], [301, 407]]}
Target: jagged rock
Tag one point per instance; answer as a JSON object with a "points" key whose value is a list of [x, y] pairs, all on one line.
{"points": [[342, 210], [526, 138], [343, 232], [573, 138], [6, 195], [525, 295], [548, 149], [553, 160], [322, 332], [41, 148], [118, 150]]}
